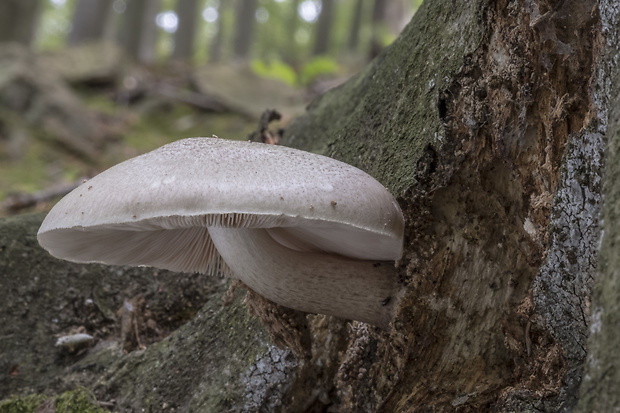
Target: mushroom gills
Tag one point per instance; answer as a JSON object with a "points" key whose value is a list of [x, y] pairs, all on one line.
{"points": [[313, 282]]}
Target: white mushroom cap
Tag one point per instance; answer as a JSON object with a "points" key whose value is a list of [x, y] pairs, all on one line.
{"points": [[155, 209]]}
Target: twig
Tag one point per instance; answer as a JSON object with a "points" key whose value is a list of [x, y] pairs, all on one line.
{"points": [[17, 202], [263, 134]]}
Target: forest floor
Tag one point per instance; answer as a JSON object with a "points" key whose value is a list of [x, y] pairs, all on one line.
{"points": [[69, 115]]}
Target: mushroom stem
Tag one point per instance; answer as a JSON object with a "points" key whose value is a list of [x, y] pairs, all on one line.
{"points": [[310, 281]]}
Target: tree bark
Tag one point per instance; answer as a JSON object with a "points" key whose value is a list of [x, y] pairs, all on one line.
{"points": [[187, 11], [90, 21], [18, 21], [323, 28], [601, 379], [245, 23], [483, 119]]}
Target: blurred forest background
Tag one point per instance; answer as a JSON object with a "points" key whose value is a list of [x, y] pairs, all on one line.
{"points": [[85, 84]]}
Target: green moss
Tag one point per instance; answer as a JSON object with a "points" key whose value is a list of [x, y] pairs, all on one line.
{"points": [[79, 400], [22, 404], [98, 102]]}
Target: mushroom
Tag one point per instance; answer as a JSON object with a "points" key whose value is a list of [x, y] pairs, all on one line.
{"points": [[303, 230]]}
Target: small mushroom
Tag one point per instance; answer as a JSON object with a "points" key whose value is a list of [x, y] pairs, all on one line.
{"points": [[73, 342], [241, 209]]}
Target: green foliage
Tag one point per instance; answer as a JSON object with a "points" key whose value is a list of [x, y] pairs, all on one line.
{"points": [[54, 24], [275, 69], [279, 70], [316, 67]]}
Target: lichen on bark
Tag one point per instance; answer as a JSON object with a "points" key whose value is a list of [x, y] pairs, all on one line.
{"points": [[599, 388], [562, 289]]}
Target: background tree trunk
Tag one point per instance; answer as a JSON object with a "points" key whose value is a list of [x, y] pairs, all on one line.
{"points": [[356, 24], [323, 28], [215, 52], [138, 32], [149, 32], [90, 21], [292, 24], [378, 27], [244, 28], [18, 20], [188, 13]]}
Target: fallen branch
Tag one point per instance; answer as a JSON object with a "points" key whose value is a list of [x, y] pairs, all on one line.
{"points": [[199, 100], [17, 202]]}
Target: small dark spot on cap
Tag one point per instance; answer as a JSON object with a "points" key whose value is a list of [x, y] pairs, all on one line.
{"points": [[386, 301], [334, 203]]}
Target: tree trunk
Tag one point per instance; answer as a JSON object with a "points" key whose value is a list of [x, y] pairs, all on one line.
{"points": [[138, 32], [487, 121], [215, 52], [292, 24], [18, 21], [601, 380], [356, 24], [90, 21], [245, 22], [323, 28], [378, 27], [187, 11], [147, 51]]}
